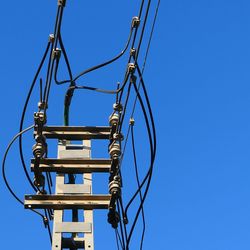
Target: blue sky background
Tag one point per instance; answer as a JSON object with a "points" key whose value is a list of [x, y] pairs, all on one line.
{"points": [[198, 81]]}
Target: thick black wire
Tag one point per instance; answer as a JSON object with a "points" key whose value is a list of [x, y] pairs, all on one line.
{"points": [[66, 61], [141, 73], [104, 91], [52, 61], [23, 116], [48, 227], [147, 52], [3, 169], [138, 184], [117, 241], [107, 62], [143, 30], [135, 36], [153, 152], [51, 51], [121, 225], [119, 238]]}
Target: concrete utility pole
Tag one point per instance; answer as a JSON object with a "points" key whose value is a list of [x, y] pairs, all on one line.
{"points": [[73, 159]]}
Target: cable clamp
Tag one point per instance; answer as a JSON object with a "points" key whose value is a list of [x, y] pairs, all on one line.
{"points": [[131, 68], [117, 107], [135, 22], [56, 54], [45, 221], [51, 38], [41, 105], [62, 3], [132, 121], [118, 136], [132, 51]]}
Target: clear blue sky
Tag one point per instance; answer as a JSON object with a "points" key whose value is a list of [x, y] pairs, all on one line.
{"points": [[198, 80]]}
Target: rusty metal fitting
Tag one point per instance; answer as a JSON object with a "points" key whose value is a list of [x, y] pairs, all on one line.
{"points": [[132, 51], [41, 105], [132, 121], [114, 150], [131, 68], [117, 107], [56, 54], [135, 22], [51, 38], [114, 120], [40, 118], [118, 136]]}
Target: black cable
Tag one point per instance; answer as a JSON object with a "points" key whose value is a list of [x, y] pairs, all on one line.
{"points": [[51, 51], [141, 72], [23, 116], [121, 225], [66, 61], [107, 62], [48, 226], [153, 152], [138, 184], [104, 91], [119, 239], [147, 52], [143, 30], [4, 174]]}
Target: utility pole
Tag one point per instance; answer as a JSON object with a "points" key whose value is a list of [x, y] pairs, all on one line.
{"points": [[73, 159]]}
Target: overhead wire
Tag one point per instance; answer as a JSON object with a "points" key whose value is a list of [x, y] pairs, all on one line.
{"points": [[138, 184], [4, 174], [24, 112]]}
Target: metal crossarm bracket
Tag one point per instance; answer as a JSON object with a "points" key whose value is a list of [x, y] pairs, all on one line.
{"points": [[75, 166], [76, 133], [67, 201]]}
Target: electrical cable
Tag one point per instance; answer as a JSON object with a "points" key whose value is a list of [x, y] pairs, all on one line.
{"points": [[153, 152], [142, 71], [52, 60], [23, 116], [3, 169], [117, 241], [138, 184], [121, 226]]}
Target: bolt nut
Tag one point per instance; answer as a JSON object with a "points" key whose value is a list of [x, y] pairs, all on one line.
{"points": [[56, 53]]}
